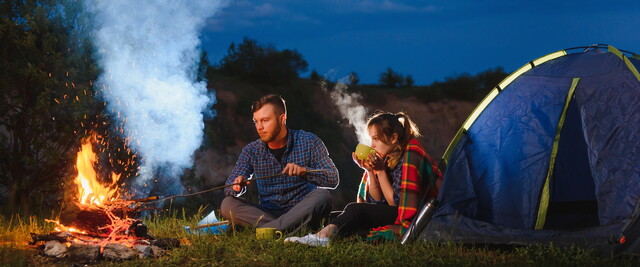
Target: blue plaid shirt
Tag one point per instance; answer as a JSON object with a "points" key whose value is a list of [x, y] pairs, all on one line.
{"points": [[283, 192]]}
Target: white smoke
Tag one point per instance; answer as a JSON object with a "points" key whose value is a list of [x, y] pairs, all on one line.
{"points": [[149, 54], [350, 108]]}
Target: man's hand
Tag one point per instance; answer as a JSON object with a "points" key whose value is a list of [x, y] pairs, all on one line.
{"points": [[292, 169], [239, 182]]}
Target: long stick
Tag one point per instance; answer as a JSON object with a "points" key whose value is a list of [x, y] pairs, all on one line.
{"points": [[222, 186], [211, 224]]}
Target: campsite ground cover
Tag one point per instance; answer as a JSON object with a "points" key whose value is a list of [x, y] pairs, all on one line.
{"points": [[240, 248]]}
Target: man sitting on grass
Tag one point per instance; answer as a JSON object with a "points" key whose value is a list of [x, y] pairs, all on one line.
{"points": [[297, 197]]}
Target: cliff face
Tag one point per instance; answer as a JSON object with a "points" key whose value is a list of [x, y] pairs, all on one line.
{"points": [[232, 129]]}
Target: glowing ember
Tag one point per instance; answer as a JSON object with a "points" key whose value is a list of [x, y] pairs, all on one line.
{"points": [[62, 228], [90, 190]]}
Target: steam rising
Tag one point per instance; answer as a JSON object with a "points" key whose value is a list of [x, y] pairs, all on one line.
{"points": [[350, 108], [149, 53]]}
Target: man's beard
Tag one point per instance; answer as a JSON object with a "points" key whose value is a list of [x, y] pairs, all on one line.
{"points": [[270, 137]]}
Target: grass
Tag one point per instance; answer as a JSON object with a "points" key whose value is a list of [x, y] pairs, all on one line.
{"points": [[240, 248]]}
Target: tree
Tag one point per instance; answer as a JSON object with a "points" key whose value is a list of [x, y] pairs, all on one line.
{"points": [[264, 64], [203, 68], [314, 75], [390, 78], [465, 86], [408, 81], [353, 79], [47, 100], [488, 79], [241, 59]]}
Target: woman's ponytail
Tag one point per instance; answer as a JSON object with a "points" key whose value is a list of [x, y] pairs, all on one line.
{"points": [[410, 129]]}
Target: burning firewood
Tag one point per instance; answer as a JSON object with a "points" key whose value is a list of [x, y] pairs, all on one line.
{"points": [[61, 237], [96, 221]]}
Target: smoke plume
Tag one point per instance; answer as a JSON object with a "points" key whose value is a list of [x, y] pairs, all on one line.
{"points": [[350, 108], [149, 53]]}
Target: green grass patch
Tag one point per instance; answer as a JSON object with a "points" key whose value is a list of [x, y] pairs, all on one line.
{"points": [[240, 248]]}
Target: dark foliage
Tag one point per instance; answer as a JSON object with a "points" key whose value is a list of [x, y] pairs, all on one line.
{"points": [[262, 64], [468, 87], [408, 81], [45, 96], [353, 80], [392, 79], [464, 87], [315, 76], [48, 103]]}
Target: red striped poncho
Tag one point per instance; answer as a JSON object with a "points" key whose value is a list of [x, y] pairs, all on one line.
{"points": [[420, 176]]}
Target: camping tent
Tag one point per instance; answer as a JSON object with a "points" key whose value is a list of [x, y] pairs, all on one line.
{"points": [[552, 154]]}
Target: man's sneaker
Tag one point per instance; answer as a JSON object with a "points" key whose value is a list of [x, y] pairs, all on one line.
{"points": [[310, 239]]}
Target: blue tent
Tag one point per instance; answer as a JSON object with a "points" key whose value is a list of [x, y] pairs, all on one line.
{"points": [[552, 154]]}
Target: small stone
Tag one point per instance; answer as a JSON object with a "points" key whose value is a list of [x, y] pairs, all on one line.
{"points": [[144, 251], [116, 251], [55, 249], [157, 251], [79, 253]]}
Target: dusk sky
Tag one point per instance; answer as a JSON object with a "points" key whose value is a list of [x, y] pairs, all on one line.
{"points": [[430, 40]]}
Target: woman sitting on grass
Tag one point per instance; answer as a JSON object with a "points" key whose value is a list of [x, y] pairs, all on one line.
{"points": [[396, 178]]}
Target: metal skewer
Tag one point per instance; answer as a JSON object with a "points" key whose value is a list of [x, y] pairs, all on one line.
{"points": [[155, 199]]}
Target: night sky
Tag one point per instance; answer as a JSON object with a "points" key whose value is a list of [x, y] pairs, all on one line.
{"points": [[430, 40]]}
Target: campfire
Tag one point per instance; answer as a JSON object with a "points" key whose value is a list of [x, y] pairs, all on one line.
{"points": [[99, 223]]}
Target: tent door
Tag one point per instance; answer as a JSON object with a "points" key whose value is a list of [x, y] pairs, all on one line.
{"points": [[572, 202]]}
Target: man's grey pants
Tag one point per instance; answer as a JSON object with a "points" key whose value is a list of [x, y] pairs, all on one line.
{"points": [[308, 213]]}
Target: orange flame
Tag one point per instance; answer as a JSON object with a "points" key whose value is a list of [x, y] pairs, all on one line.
{"points": [[93, 196], [91, 192]]}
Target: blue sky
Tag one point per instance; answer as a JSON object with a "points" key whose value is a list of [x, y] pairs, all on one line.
{"points": [[430, 40]]}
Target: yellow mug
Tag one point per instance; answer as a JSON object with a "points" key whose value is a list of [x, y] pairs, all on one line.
{"points": [[268, 233], [363, 151]]}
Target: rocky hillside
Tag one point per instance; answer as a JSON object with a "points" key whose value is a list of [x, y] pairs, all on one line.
{"points": [[438, 121]]}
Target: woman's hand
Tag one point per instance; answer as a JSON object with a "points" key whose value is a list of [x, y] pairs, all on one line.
{"points": [[372, 163], [361, 162], [376, 163]]}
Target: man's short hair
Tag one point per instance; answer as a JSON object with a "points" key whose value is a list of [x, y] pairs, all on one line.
{"points": [[277, 101]]}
